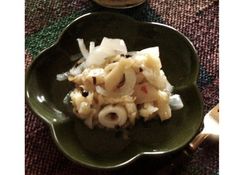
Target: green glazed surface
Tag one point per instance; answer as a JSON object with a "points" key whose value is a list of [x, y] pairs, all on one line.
{"points": [[100, 148]]}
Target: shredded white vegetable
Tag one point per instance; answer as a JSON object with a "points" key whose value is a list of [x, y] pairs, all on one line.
{"points": [[62, 77], [91, 46], [77, 70], [152, 51], [82, 47], [107, 48]]}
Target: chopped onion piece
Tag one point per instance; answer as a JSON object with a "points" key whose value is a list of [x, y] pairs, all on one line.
{"points": [[107, 48], [175, 102], [117, 45], [83, 49], [97, 56], [77, 70], [62, 77], [152, 51], [91, 46], [96, 72], [169, 88], [66, 99]]}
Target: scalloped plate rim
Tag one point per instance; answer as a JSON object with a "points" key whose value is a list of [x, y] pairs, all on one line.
{"points": [[51, 124]]}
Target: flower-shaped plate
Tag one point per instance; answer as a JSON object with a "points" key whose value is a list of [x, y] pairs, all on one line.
{"points": [[106, 149]]}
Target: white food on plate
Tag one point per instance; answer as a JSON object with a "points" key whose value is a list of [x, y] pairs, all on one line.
{"points": [[176, 102], [114, 87]]}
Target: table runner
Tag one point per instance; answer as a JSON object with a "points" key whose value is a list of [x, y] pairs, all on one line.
{"points": [[197, 19]]}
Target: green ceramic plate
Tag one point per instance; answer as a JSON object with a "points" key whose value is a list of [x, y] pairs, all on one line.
{"points": [[100, 148]]}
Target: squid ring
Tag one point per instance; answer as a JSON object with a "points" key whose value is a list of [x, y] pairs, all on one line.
{"points": [[111, 116]]}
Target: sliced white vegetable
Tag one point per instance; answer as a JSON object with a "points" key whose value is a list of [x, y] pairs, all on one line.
{"points": [[107, 48], [97, 56], [148, 110], [77, 70], [91, 46], [106, 120], [150, 107], [175, 102], [169, 88], [116, 45], [96, 72], [82, 47], [131, 108], [67, 99], [62, 77], [152, 51]]}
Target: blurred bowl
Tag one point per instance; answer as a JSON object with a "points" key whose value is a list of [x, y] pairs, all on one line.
{"points": [[119, 4]]}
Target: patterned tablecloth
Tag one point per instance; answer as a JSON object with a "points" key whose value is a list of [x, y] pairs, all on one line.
{"points": [[197, 19]]}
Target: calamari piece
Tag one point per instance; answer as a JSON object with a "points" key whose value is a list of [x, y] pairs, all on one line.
{"points": [[163, 105], [112, 116]]}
